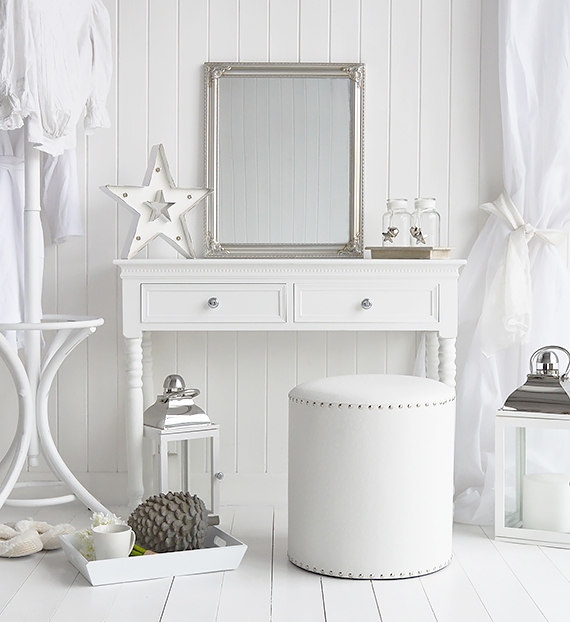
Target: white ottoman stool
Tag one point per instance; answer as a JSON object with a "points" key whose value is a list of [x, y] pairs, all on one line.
{"points": [[371, 476]]}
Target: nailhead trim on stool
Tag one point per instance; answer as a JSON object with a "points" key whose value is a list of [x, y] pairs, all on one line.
{"points": [[371, 476], [378, 575], [369, 406]]}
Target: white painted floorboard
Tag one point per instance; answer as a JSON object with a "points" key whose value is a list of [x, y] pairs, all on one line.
{"points": [[487, 581]]}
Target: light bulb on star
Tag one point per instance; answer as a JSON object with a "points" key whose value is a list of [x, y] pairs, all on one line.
{"points": [[159, 208]]}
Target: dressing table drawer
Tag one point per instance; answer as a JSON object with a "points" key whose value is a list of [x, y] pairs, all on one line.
{"points": [[389, 302], [182, 303]]}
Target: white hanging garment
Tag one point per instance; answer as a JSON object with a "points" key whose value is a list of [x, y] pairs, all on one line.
{"points": [[61, 210], [55, 62], [514, 293], [11, 225]]}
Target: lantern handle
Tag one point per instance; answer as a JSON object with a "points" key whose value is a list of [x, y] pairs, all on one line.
{"points": [[177, 394], [543, 349]]}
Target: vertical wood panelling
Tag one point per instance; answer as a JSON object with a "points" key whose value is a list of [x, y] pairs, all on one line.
{"points": [[281, 378], [224, 30], [404, 98], [251, 402], [432, 126], [314, 31], [254, 31], [345, 31], [163, 77], [132, 112], [370, 353], [464, 123], [400, 353], [490, 146], [341, 353], [311, 356], [222, 393], [434, 109], [284, 31]]}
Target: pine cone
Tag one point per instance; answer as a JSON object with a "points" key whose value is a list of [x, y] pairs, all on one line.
{"points": [[175, 521]]}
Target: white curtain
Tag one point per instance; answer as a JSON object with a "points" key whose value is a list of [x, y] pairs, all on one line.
{"points": [[515, 288]]}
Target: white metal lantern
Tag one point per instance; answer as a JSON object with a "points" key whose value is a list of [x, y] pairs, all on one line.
{"points": [[532, 448], [175, 418]]}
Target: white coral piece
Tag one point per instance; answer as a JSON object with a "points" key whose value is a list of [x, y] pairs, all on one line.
{"points": [[50, 538], [28, 536], [22, 544]]}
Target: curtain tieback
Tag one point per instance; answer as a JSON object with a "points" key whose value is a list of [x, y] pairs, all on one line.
{"points": [[506, 315]]}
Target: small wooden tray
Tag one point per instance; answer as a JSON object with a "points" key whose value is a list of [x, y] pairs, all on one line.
{"points": [[408, 252], [221, 552]]}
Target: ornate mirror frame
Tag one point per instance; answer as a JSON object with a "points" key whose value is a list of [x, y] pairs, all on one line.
{"points": [[354, 74]]}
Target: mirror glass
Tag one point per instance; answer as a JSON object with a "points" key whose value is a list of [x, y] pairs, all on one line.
{"points": [[284, 157]]}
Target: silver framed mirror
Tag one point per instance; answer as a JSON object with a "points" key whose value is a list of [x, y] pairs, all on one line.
{"points": [[284, 157]]}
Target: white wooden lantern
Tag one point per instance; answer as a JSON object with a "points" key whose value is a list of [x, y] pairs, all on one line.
{"points": [[532, 442], [174, 418]]}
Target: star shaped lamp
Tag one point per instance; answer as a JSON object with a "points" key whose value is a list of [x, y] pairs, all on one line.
{"points": [[159, 208]]}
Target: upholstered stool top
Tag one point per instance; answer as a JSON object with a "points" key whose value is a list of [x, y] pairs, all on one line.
{"points": [[373, 391]]}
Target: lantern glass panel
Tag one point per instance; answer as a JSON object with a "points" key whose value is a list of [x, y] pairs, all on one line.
{"points": [[537, 478]]}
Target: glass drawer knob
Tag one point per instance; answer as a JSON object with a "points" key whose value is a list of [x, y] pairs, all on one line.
{"points": [[366, 303], [213, 302]]}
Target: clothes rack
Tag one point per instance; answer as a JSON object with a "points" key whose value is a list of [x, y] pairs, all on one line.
{"points": [[33, 377]]}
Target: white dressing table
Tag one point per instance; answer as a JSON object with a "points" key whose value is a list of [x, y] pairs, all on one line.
{"points": [[279, 294]]}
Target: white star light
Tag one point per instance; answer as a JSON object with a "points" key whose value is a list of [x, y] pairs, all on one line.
{"points": [[159, 207]]}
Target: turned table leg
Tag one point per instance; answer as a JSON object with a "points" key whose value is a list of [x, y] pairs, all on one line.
{"points": [[447, 360], [432, 355], [149, 395], [134, 420]]}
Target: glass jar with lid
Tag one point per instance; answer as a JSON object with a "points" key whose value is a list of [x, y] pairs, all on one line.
{"points": [[426, 223], [396, 223]]}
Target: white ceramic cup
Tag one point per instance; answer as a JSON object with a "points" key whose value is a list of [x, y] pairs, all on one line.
{"points": [[113, 541]]}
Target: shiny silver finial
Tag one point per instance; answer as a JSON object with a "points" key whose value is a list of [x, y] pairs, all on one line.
{"points": [[547, 363], [173, 384]]}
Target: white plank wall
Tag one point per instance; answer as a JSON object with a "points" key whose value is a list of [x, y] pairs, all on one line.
{"points": [[432, 129]]}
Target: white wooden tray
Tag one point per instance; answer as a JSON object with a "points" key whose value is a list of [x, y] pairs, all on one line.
{"points": [[221, 552]]}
